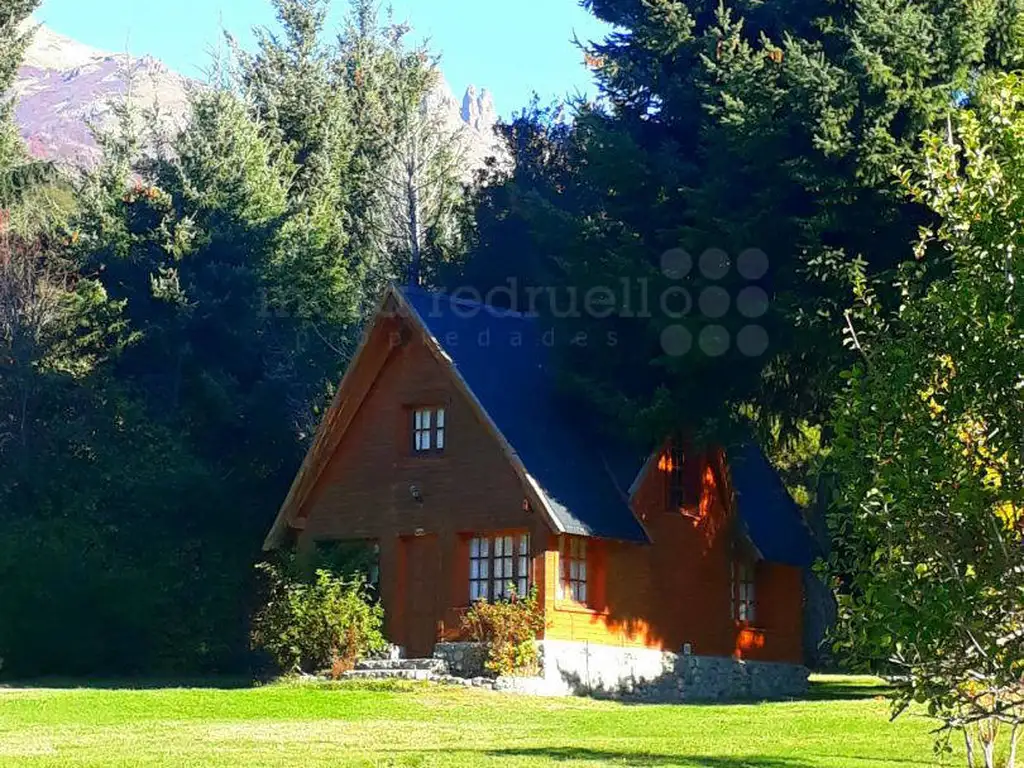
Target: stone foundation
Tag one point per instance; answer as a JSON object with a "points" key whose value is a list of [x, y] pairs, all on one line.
{"points": [[637, 673], [463, 659]]}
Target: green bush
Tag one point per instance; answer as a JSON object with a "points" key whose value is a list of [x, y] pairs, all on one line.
{"points": [[509, 628], [323, 624]]}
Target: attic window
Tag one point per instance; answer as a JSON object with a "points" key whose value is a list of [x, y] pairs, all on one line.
{"points": [[684, 478], [428, 430]]}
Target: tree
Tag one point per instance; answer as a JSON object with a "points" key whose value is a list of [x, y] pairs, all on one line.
{"points": [[171, 454], [416, 189], [292, 91], [414, 220], [15, 172], [53, 324], [408, 201], [752, 125], [928, 440]]}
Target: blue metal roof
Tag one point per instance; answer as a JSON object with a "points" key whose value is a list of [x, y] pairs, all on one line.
{"points": [[505, 359], [772, 519]]}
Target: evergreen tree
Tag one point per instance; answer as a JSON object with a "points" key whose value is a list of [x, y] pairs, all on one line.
{"points": [[293, 91], [408, 197], [15, 35], [769, 125], [172, 453]]}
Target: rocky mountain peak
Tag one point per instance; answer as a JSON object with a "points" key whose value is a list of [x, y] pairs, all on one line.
{"points": [[478, 110], [64, 87]]}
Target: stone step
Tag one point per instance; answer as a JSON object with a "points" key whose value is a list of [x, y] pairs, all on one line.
{"points": [[388, 674], [437, 666]]}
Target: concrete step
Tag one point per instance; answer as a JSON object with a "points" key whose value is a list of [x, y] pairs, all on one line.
{"points": [[437, 666], [388, 674]]}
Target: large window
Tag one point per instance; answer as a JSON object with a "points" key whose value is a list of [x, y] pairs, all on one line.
{"points": [[497, 565], [574, 569], [428, 430], [744, 598]]}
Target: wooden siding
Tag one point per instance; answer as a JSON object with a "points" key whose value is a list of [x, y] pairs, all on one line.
{"points": [[677, 590], [674, 591], [364, 490]]}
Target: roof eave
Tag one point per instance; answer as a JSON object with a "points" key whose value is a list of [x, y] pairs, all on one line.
{"points": [[292, 503]]}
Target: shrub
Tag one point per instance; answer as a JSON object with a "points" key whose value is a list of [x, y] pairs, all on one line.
{"points": [[509, 628], [311, 625]]}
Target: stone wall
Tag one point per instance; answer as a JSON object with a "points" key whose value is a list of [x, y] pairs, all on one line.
{"points": [[638, 673], [463, 659], [715, 678]]}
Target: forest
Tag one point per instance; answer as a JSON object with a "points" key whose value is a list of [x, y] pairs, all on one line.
{"points": [[174, 320]]}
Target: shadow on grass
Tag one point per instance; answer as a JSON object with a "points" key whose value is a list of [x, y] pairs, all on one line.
{"points": [[215, 683], [566, 754], [822, 690], [663, 690], [131, 683]]}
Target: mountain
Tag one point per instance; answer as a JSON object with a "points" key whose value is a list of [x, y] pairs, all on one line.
{"points": [[64, 87]]}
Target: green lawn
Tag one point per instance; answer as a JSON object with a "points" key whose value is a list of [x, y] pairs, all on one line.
{"points": [[843, 724]]}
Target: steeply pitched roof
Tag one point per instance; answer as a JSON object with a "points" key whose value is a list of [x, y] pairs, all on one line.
{"points": [[582, 479], [772, 520], [505, 360]]}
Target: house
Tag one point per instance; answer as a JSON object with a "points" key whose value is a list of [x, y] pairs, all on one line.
{"points": [[448, 451]]}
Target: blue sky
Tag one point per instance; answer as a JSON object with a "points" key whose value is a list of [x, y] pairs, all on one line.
{"points": [[511, 47]]}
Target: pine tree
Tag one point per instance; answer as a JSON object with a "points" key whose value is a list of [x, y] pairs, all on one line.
{"points": [[408, 197], [769, 125], [294, 93], [15, 35]]}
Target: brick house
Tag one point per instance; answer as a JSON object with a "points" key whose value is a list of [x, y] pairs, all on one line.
{"points": [[448, 451]]}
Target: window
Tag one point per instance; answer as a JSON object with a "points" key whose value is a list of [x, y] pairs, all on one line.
{"points": [[685, 478], [498, 564], [428, 430], [479, 569], [743, 591], [574, 569]]}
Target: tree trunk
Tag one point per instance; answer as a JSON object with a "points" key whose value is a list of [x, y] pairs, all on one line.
{"points": [[970, 746], [415, 237]]}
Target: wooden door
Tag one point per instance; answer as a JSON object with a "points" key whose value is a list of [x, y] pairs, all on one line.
{"points": [[422, 585]]}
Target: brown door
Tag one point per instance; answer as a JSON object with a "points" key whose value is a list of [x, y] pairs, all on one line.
{"points": [[422, 584]]}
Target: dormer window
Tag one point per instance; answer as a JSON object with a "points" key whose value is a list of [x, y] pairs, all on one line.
{"points": [[428, 430], [684, 476]]}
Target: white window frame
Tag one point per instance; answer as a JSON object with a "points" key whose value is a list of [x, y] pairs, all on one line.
{"points": [[429, 425], [495, 563], [479, 569]]}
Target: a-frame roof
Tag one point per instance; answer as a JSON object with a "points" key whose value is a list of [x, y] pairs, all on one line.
{"points": [[581, 480], [501, 362], [505, 360]]}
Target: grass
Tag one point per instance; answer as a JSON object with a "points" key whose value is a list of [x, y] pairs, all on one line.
{"points": [[843, 724]]}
